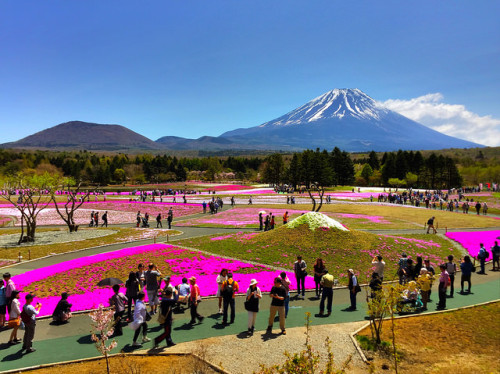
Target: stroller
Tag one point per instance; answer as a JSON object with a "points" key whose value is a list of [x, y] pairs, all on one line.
{"points": [[410, 300], [145, 222]]}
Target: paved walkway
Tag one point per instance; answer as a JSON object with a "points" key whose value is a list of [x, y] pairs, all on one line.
{"points": [[72, 341]]}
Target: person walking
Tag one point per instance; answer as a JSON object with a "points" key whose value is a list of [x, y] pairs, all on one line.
{"points": [[158, 221], [139, 322], [253, 297], [167, 305], [467, 268], [105, 219], [327, 284], [229, 289], [482, 256], [195, 298], [118, 301], [444, 280], [354, 288], [451, 268], [300, 270], [277, 294], [14, 318], [28, 316]]}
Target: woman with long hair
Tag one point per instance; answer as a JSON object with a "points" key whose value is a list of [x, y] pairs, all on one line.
{"points": [[319, 271]]}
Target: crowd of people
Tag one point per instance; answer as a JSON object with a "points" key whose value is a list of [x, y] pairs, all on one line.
{"points": [[163, 297]]}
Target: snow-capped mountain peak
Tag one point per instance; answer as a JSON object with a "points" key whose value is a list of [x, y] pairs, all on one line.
{"points": [[337, 103]]}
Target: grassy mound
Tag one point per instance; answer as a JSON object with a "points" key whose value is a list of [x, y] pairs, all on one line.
{"points": [[340, 250], [316, 220]]}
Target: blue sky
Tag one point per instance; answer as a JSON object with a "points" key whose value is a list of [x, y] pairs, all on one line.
{"points": [[194, 68]]}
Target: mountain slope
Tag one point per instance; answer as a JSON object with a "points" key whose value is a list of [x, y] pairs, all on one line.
{"points": [[85, 135], [350, 120]]}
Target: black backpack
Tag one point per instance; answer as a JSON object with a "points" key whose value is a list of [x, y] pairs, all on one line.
{"points": [[228, 289]]}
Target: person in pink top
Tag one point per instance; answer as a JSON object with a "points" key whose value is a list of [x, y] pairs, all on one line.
{"points": [[9, 288], [444, 281]]}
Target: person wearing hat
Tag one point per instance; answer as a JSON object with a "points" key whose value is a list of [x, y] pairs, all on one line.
{"points": [[195, 298], [252, 304], [62, 312], [327, 284], [29, 320], [424, 283]]}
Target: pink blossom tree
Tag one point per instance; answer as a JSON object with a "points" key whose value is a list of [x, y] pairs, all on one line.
{"points": [[102, 328]]}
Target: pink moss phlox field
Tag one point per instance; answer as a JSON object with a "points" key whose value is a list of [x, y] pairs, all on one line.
{"points": [[118, 211], [228, 187], [470, 240], [204, 267]]}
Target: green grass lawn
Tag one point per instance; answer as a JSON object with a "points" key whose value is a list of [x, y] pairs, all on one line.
{"points": [[341, 250]]}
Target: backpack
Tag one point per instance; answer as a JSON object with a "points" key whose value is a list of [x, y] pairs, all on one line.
{"points": [[25, 317], [3, 298], [228, 290]]}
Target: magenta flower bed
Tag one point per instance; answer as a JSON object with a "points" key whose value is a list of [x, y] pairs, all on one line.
{"points": [[470, 240], [86, 295]]}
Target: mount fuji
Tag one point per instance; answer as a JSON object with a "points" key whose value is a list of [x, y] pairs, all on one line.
{"points": [[348, 119]]}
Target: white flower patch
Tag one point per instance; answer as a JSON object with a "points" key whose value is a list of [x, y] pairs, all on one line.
{"points": [[316, 220]]}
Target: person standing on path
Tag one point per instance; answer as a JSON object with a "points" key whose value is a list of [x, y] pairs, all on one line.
{"points": [[14, 318], [444, 280], [229, 289], [168, 302], [277, 294], [402, 265], [221, 278], [152, 286], [195, 298], [424, 282], [133, 288], [261, 221], [430, 225], [118, 301], [10, 287], [252, 304], [285, 282], [158, 221], [170, 218], [140, 321], [482, 256], [319, 271], [354, 288], [285, 218], [300, 270], [467, 268], [138, 218], [451, 268], [495, 251], [432, 273], [30, 312], [327, 284]]}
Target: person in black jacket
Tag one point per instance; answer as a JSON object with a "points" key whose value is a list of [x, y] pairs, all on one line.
{"points": [[167, 304], [62, 312]]}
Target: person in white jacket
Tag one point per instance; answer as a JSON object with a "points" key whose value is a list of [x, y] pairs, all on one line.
{"points": [[140, 320], [15, 318]]}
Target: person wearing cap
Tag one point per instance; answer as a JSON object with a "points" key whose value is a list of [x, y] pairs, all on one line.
{"points": [[229, 289], [168, 285], [278, 295], [29, 323], [195, 298], [327, 285], [252, 304], [62, 312]]}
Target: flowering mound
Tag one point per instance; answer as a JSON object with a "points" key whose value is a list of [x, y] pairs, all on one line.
{"points": [[316, 220]]}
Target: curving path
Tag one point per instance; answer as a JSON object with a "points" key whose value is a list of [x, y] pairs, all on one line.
{"points": [[72, 341]]}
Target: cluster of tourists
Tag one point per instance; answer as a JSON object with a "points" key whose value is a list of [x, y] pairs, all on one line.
{"points": [[94, 219], [214, 205], [143, 221]]}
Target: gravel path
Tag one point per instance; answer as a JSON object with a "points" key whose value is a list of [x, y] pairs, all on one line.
{"points": [[242, 355]]}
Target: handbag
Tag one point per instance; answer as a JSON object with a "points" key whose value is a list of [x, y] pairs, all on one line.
{"points": [[248, 305], [148, 317], [357, 288]]}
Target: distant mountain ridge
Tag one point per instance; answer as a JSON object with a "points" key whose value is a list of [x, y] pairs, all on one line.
{"points": [[344, 118]]}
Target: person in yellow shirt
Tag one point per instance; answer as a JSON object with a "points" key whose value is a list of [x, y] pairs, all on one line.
{"points": [[424, 282]]}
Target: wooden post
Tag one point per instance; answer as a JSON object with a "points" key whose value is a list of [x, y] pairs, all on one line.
{"points": [[29, 254], [167, 238], [20, 257]]}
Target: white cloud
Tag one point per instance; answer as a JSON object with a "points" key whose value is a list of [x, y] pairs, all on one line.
{"points": [[450, 119]]}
